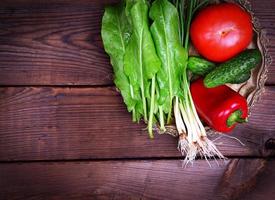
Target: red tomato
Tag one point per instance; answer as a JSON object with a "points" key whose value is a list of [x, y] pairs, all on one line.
{"points": [[221, 31]]}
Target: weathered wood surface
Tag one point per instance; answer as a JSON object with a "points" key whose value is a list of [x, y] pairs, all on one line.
{"points": [[239, 177], [59, 43], [52, 43], [51, 123], [151, 179], [109, 180], [264, 184], [45, 44]]}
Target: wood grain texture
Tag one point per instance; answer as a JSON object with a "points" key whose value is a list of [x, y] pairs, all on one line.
{"points": [[264, 188], [59, 43], [15, 3], [152, 179], [51, 123], [52, 44], [159, 179], [240, 176]]}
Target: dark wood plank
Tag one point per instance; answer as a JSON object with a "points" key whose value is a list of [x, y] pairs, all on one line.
{"points": [[58, 43], [240, 177], [52, 44], [264, 187], [45, 123], [15, 3], [110, 180], [152, 179]]}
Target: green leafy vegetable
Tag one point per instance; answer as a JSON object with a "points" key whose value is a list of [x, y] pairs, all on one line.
{"points": [[141, 62], [150, 67], [172, 55], [115, 33]]}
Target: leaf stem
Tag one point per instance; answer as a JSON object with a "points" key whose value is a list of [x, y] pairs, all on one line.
{"points": [[152, 104], [168, 121], [161, 119], [134, 115], [189, 17], [205, 2]]}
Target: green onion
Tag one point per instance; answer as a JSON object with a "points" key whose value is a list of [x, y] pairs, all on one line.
{"points": [[193, 139]]}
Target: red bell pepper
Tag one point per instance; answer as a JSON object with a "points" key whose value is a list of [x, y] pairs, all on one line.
{"points": [[220, 107]]}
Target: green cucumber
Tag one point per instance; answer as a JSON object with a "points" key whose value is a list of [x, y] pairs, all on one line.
{"points": [[242, 78], [200, 66], [230, 71]]}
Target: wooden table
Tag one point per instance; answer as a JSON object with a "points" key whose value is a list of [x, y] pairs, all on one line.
{"points": [[65, 133]]}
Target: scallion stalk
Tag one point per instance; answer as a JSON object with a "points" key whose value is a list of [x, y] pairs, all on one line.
{"points": [[193, 139]]}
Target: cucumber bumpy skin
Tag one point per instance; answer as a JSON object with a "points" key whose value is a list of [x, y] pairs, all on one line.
{"points": [[236, 67], [242, 78], [200, 66]]}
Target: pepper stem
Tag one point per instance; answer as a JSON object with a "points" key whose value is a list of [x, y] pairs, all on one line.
{"points": [[235, 117]]}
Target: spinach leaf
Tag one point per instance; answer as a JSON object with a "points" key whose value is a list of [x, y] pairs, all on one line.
{"points": [[173, 56], [115, 32], [141, 62]]}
